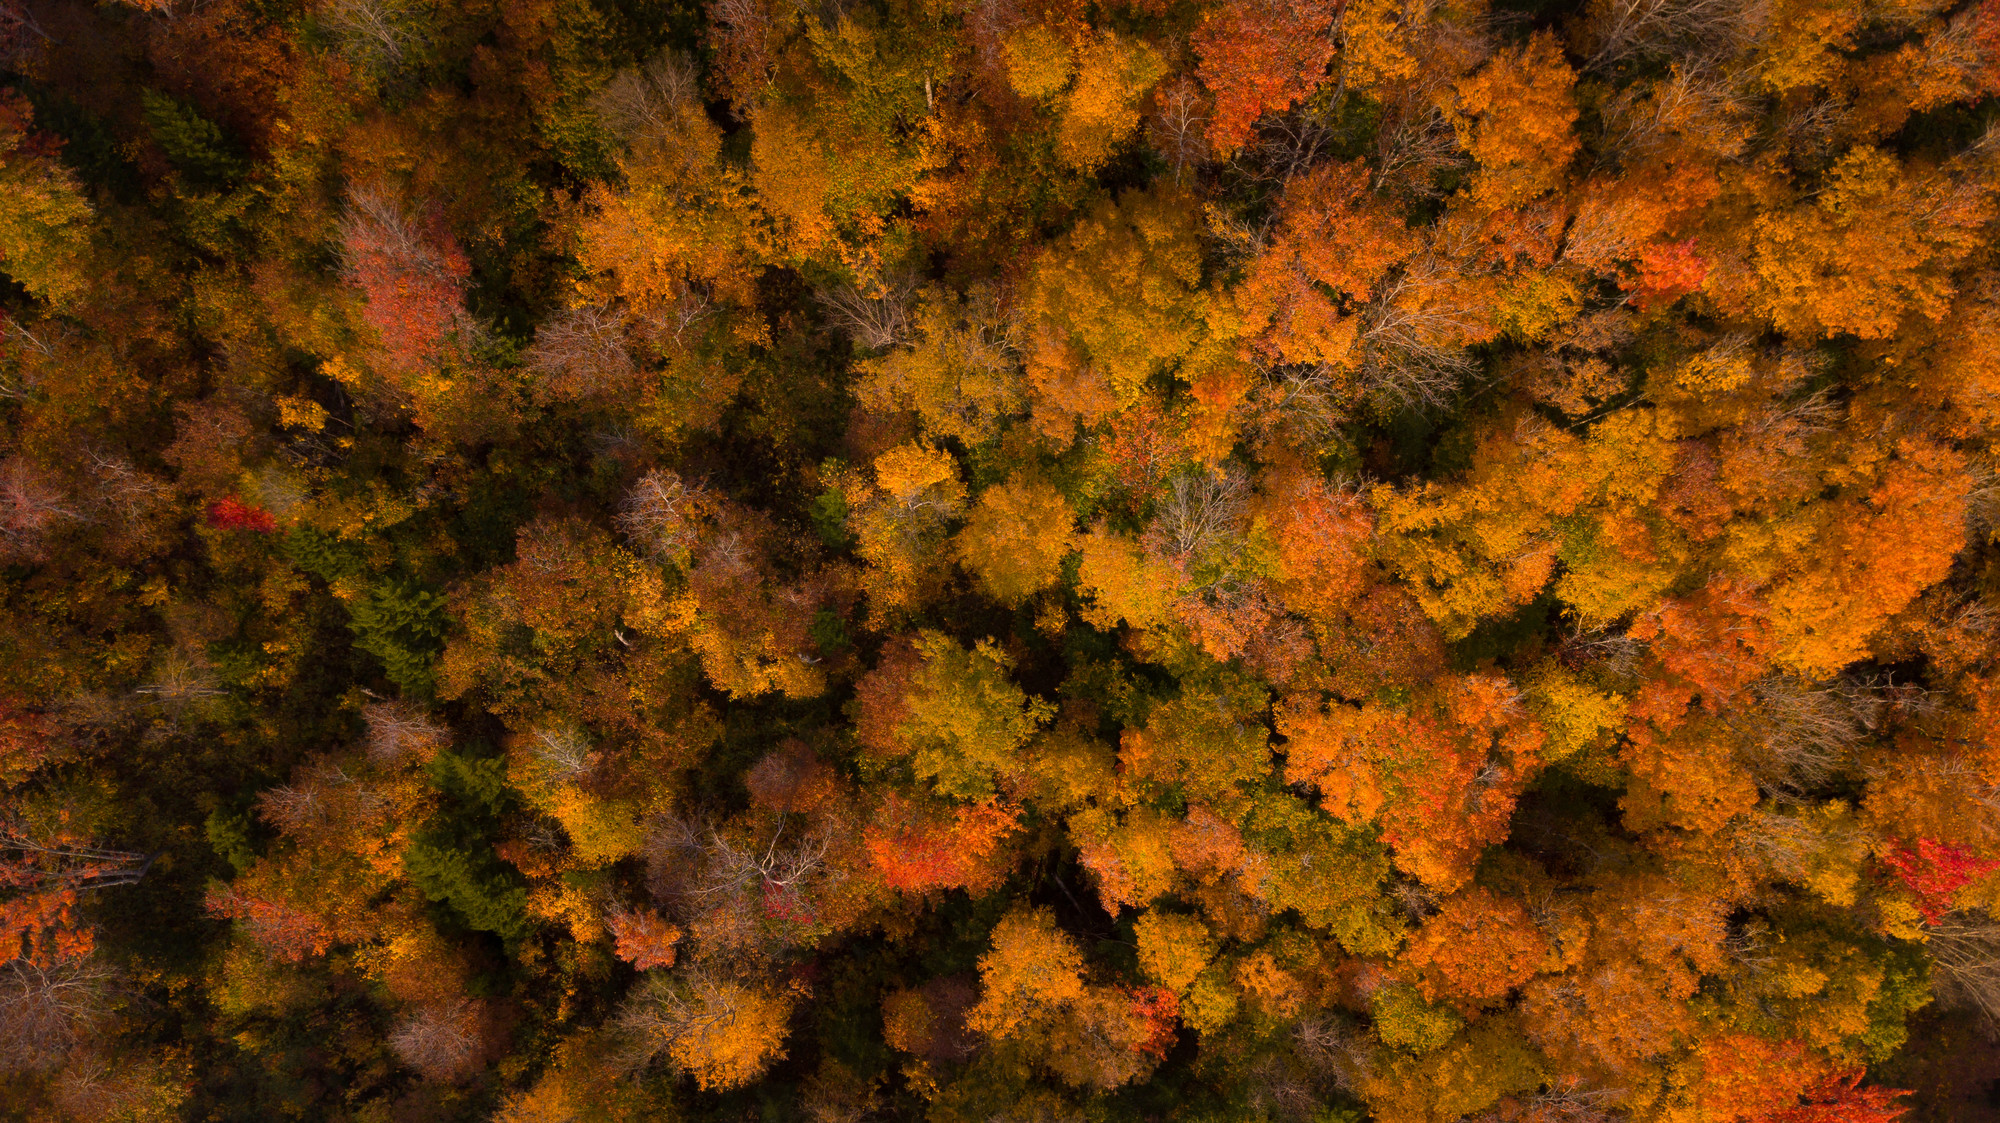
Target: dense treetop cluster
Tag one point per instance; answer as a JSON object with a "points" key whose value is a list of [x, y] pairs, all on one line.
{"points": [[999, 561]]}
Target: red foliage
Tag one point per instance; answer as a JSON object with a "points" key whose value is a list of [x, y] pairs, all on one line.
{"points": [[41, 927], [1261, 55], [1934, 871], [916, 852], [1667, 272], [1712, 643], [232, 513], [17, 120], [414, 279], [1159, 1011], [1840, 1099], [785, 902], [41, 880], [286, 933]]}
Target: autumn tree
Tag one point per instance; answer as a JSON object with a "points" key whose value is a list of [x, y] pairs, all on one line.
{"points": [[1015, 538]]}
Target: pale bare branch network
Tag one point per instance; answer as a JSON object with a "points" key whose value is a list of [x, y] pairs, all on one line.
{"points": [[1965, 952], [397, 732], [876, 318], [123, 488], [1405, 356], [562, 754], [181, 681], [1341, 1050], [667, 1008], [440, 1040], [677, 324], [20, 34], [713, 866], [659, 515], [46, 1011], [581, 353], [31, 507], [377, 220], [381, 34], [1798, 736], [1312, 397], [1565, 1100], [40, 342], [648, 103], [1415, 144], [727, 889], [1694, 30], [323, 796], [1200, 513], [1696, 101], [1615, 652], [1178, 128]]}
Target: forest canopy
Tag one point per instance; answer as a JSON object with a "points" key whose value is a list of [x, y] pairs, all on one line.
{"points": [[1000, 561]]}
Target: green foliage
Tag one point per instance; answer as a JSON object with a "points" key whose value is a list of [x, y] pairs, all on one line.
{"points": [[230, 835], [1403, 1020], [402, 624], [193, 144]]}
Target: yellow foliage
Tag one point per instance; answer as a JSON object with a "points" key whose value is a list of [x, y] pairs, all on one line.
{"points": [[1039, 62], [1123, 583], [1174, 949], [1032, 971], [957, 371], [1015, 539], [1575, 713], [1113, 73]]}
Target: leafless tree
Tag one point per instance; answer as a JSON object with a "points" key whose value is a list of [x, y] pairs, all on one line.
{"points": [[1405, 358], [1618, 31], [660, 515], [39, 342], [442, 1040], [322, 797], [668, 1007], [1200, 513], [561, 754], [673, 326], [727, 890], [876, 318], [1965, 950], [374, 218], [1338, 1049], [1695, 101], [21, 34], [580, 354], [181, 681], [1797, 736], [1565, 1099], [648, 104], [398, 732], [1415, 143], [31, 507], [836, 1094], [45, 1011], [1178, 127], [1616, 652], [379, 34]]}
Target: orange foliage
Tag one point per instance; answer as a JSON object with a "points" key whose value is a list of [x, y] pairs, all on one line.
{"points": [[1259, 56], [642, 938], [919, 848], [1477, 947]]}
